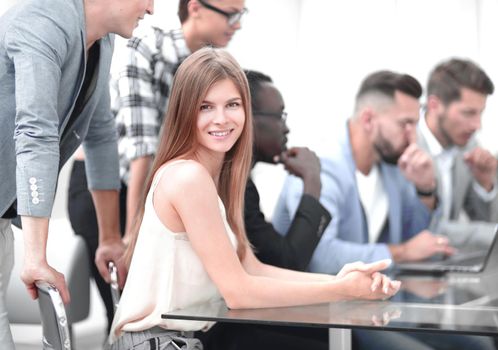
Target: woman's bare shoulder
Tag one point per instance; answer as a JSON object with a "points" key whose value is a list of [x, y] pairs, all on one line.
{"points": [[185, 176]]}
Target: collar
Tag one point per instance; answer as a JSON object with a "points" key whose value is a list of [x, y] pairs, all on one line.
{"points": [[179, 43]]}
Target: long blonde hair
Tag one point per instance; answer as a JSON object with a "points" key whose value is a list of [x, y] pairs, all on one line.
{"points": [[192, 81]]}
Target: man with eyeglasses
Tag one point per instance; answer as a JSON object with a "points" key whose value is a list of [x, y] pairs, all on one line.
{"points": [[140, 88], [294, 250]]}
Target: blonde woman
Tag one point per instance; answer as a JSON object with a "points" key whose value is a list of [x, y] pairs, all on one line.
{"points": [[189, 245]]}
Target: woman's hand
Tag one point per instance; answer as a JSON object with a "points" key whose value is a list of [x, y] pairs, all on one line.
{"points": [[362, 285], [361, 266], [364, 281]]}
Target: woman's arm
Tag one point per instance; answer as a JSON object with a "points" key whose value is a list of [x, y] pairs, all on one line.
{"points": [[189, 190], [256, 268], [253, 266]]}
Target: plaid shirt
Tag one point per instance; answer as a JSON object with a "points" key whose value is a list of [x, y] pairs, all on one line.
{"points": [[140, 89]]}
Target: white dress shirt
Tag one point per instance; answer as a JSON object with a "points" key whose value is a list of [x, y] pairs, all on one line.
{"points": [[373, 197]]}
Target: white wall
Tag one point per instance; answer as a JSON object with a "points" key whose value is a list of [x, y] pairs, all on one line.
{"points": [[5, 4], [322, 49], [318, 51]]}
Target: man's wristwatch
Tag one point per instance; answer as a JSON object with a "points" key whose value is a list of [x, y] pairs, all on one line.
{"points": [[426, 193]]}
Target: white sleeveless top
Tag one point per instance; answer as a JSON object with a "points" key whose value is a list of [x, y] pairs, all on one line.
{"points": [[165, 274]]}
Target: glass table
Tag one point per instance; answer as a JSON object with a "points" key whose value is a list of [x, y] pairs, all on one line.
{"points": [[450, 303]]}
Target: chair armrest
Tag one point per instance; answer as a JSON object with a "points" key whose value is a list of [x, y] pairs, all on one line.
{"points": [[115, 293]]}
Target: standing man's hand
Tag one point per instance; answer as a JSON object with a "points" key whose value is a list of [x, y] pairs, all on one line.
{"points": [[33, 272], [417, 166], [35, 267], [483, 165], [303, 163], [111, 250], [111, 246]]}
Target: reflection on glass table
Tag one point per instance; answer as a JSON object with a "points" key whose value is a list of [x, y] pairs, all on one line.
{"points": [[387, 315], [449, 289], [318, 315]]}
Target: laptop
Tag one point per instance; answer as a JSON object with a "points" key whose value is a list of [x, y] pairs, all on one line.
{"points": [[467, 259]]}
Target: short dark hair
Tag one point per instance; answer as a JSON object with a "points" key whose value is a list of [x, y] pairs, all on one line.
{"points": [[387, 83], [255, 80], [449, 77], [183, 10]]}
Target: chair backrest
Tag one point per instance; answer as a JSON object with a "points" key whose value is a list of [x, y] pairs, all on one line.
{"points": [[115, 294], [55, 325], [68, 254]]}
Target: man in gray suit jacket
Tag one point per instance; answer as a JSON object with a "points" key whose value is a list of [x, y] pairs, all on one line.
{"points": [[54, 94], [466, 173]]}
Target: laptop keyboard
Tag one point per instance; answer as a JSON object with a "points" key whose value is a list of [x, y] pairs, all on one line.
{"points": [[467, 258]]}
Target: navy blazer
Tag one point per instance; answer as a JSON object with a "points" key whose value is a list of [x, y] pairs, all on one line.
{"points": [[295, 249]]}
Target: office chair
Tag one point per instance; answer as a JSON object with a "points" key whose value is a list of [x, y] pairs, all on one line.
{"points": [[56, 334], [68, 254]]}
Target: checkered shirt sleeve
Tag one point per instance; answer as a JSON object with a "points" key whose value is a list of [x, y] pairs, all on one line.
{"points": [[139, 91]]}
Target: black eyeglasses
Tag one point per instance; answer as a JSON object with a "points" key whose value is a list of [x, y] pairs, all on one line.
{"points": [[232, 17], [280, 116]]}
